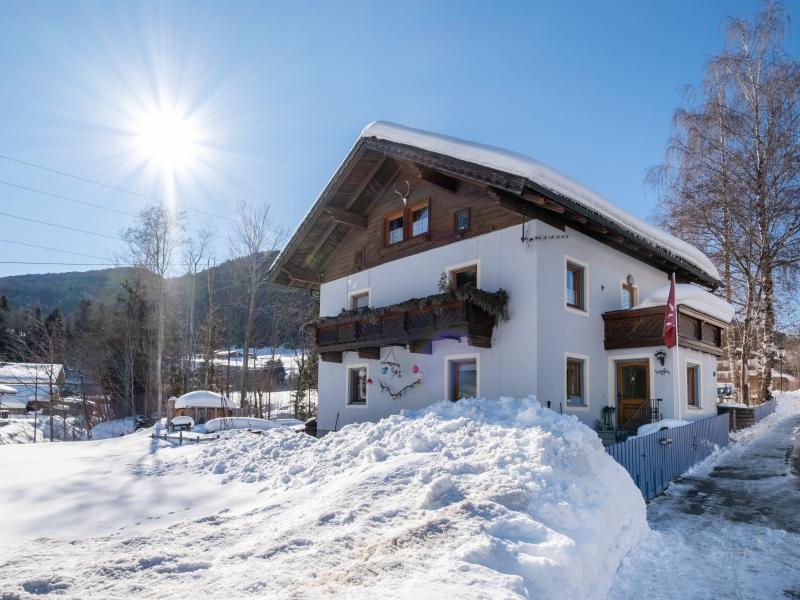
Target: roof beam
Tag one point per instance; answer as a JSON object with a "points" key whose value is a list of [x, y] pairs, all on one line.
{"points": [[544, 202], [366, 182], [302, 276], [347, 217], [437, 178]]}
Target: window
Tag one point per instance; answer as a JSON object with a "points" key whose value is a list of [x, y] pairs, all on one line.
{"points": [[575, 286], [462, 220], [464, 276], [395, 228], [463, 378], [359, 301], [357, 385], [576, 389], [693, 385], [419, 220], [628, 296]]}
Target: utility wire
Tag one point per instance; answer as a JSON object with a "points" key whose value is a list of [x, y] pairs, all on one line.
{"points": [[63, 264], [103, 235], [68, 199], [52, 249], [104, 185]]}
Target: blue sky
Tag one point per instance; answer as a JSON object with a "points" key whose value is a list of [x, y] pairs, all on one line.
{"points": [[277, 94]]}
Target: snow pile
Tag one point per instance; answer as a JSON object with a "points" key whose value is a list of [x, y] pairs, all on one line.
{"points": [[497, 498], [787, 404], [659, 425], [693, 297], [112, 429], [215, 425], [21, 429]]}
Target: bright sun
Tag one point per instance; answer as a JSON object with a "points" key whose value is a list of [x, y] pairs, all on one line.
{"points": [[167, 139]]}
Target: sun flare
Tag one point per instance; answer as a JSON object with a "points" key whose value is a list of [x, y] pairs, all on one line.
{"points": [[167, 139]]}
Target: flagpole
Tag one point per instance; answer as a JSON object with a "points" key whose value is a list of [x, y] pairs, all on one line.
{"points": [[677, 377]]}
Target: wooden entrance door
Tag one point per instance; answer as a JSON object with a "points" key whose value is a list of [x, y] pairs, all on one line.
{"points": [[633, 388]]}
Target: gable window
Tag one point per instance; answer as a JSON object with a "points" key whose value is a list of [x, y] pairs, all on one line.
{"points": [[357, 385], [463, 378], [419, 219], [395, 228], [462, 219], [464, 276], [628, 296], [693, 385], [359, 301], [576, 381], [576, 279]]}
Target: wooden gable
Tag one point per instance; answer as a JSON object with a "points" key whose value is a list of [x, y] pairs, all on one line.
{"points": [[345, 230]]}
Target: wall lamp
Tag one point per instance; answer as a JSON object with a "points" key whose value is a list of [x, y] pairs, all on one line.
{"points": [[660, 356]]}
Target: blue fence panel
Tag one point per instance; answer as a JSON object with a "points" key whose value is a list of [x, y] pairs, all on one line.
{"points": [[655, 459], [763, 410]]}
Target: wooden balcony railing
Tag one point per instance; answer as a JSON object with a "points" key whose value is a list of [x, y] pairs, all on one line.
{"points": [[641, 327], [415, 324]]}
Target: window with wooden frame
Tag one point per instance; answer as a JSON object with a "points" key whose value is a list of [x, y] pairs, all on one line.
{"points": [[463, 378], [693, 385], [357, 385], [464, 276], [576, 395], [576, 276], [628, 296], [461, 221], [419, 219], [394, 228], [360, 301]]}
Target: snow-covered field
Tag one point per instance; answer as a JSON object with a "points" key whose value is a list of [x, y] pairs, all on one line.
{"points": [[479, 499], [21, 429]]}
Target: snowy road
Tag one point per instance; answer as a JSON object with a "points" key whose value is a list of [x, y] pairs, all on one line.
{"points": [[729, 530]]}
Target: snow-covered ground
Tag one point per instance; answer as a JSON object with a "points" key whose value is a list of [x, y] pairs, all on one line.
{"points": [[21, 429], [730, 528], [478, 499]]}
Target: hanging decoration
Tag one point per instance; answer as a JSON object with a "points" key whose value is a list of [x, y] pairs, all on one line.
{"points": [[390, 365]]}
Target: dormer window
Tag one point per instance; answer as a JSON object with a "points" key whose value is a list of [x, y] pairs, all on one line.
{"points": [[395, 228]]}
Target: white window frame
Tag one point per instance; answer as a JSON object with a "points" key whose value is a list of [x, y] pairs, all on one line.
{"points": [[350, 295], [470, 263], [585, 359], [699, 366], [585, 266], [347, 396], [624, 281], [448, 371]]}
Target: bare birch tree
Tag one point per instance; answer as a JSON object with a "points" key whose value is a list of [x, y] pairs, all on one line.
{"points": [[151, 246], [254, 241]]}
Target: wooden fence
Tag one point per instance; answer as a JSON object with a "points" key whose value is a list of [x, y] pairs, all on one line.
{"points": [[655, 459]]}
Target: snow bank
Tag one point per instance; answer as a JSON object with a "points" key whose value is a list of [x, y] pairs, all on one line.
{"points": [[112, 429], [788, 404], [524, 166], [659, 425], [471, 499], [693, 297], [215, 425]]}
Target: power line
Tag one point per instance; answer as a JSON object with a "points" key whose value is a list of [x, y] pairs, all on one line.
{"points": [[103, 235], [105, 185], [52, 249], [63, 264], [67, 198]]}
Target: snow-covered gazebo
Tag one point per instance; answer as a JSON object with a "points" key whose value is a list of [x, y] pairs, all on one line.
{"points": [[203, 405]]}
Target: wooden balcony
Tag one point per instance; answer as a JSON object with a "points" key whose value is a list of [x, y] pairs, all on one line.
{"points": [[415, 324], [641, 327]]}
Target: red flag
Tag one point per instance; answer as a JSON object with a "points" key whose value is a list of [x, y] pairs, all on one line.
{"points": [[670, 332]]}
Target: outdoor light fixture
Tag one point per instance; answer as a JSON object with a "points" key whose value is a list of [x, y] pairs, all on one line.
{"points": [[660, 356], [630, 279]]}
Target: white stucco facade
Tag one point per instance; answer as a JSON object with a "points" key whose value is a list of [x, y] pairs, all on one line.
{"points": [[529, 352]]}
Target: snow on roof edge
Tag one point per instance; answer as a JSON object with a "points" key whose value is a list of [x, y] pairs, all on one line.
{"points": [[549, 178], [694, 297]]}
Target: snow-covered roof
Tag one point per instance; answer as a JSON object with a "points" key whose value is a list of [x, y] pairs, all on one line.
{"points": [[547, 177], [17, 372], [7, 389], [694, 297], [13, 402], [203, 399]]}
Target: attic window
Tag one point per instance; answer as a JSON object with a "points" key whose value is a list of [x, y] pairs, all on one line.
{"points": [[462, 220], [395, 228], [419, 219]]}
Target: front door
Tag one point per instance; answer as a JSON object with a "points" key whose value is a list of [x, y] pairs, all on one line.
{"points": [[633, 388]]}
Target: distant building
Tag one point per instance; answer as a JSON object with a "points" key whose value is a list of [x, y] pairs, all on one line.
{"points": [[34, 383], [203, 405]]}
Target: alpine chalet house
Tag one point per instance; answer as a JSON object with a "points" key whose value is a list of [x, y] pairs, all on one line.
{"points": [[447, 269]]}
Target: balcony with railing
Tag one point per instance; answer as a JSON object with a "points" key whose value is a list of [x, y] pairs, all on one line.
{"points": [[416, 324]]}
